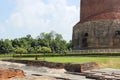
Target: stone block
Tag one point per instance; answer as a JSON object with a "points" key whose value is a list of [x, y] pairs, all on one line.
{"points": [[81, 67]]}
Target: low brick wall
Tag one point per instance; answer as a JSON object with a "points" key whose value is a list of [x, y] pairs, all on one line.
{"points": [[39, 63], [70, 67]]}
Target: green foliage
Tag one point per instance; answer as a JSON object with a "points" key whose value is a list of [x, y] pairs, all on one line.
{"points": [[20, 50], [70, 45], [53, 40], [44, 43], [6, 46], [39, 50], [31, 50], [44, 50]]}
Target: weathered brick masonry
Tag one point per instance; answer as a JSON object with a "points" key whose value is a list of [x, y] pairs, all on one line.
{"points": [[92, 10], [99, 27]]}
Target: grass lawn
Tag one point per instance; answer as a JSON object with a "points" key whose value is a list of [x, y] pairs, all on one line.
{"points": [[104, 62]]}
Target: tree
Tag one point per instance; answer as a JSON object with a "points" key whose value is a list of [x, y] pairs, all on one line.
{"points": [[53, 40], [28, 36], [43, 50], [31, 50], [58, 44], [6, 46], [70, 45], [19, 50], [2, 46], [24, 43], [45, 42], [45, 39], [16, 43]]}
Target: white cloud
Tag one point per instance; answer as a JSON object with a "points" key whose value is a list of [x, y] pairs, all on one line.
{"points": [[36, 16], [2, 29]]}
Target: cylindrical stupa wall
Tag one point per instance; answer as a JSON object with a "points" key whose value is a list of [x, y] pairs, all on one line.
{"points": [[99, 9], [99, 25]]}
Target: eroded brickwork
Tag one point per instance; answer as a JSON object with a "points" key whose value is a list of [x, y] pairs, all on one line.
{"points": [[99, 9], [97, 34]]}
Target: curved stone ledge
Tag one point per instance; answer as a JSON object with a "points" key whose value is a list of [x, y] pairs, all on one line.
{"points": [[98, 51]]}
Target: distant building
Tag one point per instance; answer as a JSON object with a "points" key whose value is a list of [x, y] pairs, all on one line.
{"points": [[99, 26]]}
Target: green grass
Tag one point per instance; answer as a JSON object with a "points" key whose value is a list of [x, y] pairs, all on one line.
{"points": [[104, 62], [76, 59], [6, 55]]}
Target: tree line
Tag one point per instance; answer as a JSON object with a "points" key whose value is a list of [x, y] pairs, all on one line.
{"points": [[44, 43]]}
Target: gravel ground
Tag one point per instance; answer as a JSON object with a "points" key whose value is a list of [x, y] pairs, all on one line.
{"points": [[34, 78], [30, 70]]}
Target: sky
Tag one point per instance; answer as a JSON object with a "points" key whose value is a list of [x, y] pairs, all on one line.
{"points": [[19, 18]]}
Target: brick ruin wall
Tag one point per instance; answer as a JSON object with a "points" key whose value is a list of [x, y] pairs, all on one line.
{"points": [[92, 10], [99, 27]]}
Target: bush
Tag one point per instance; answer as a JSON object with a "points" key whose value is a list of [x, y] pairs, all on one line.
{"points": [[31, 50], [20, 51], [44, 50]]}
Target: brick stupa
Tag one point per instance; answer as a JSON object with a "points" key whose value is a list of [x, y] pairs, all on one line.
{"points": [[99, 26]]}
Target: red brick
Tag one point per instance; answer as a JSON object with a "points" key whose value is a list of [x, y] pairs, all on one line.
{"points": [[10, 72], [92, 10]]}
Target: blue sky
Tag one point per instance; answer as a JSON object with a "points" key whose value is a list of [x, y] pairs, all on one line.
{"points": [[5, 10], [21, 17]]}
